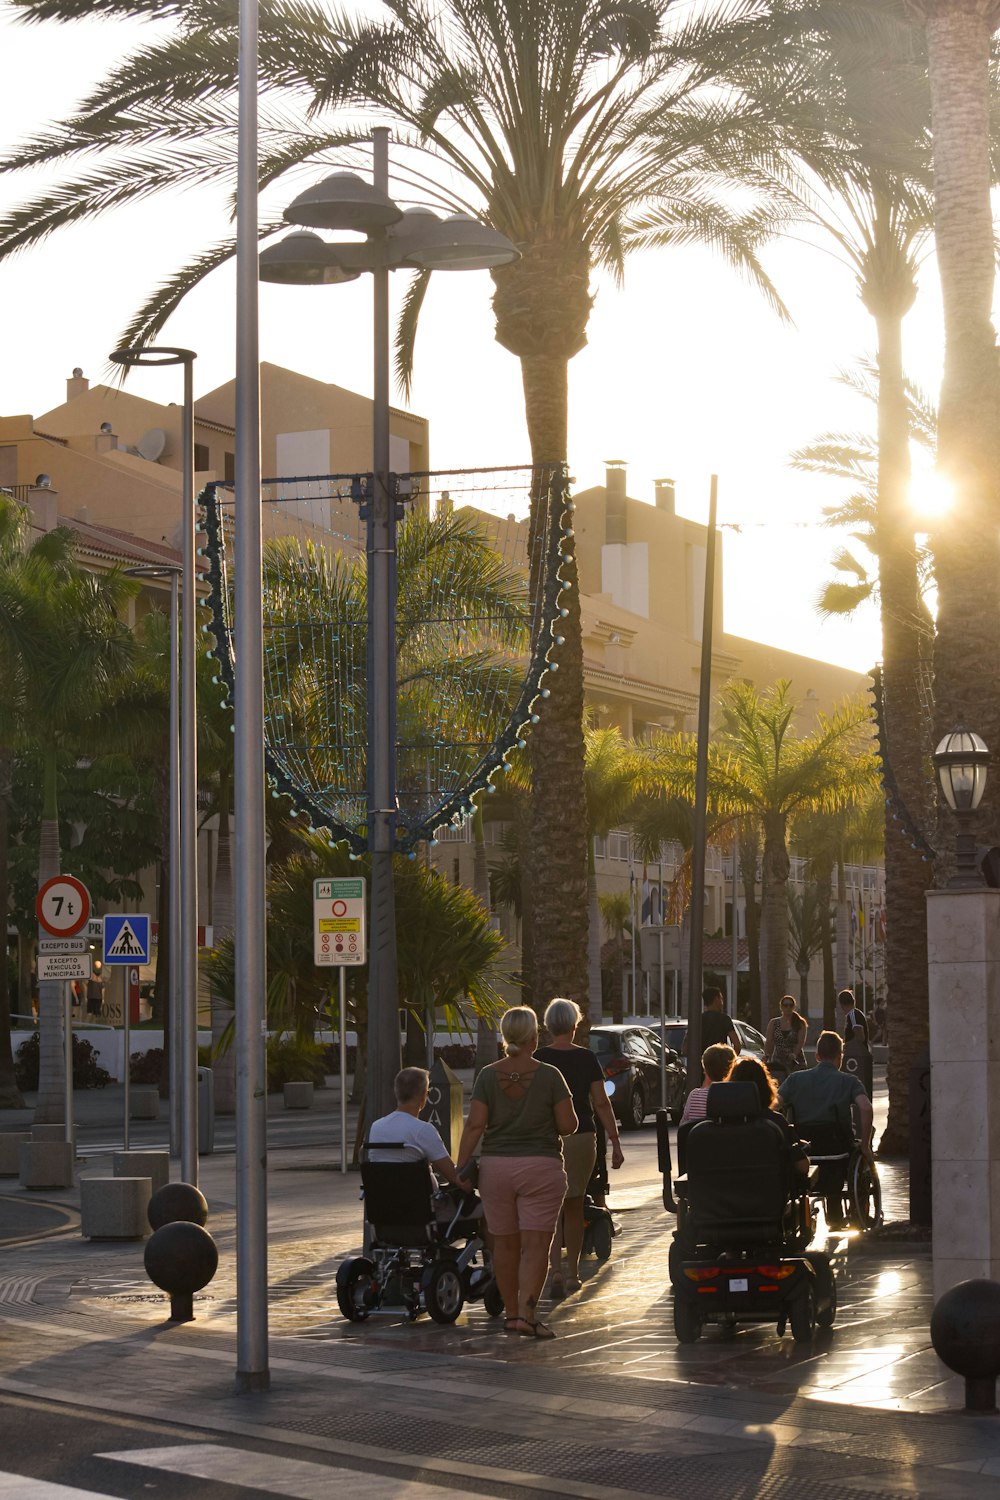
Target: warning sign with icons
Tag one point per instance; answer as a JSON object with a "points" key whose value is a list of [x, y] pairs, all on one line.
{"points": [[338, 922]]}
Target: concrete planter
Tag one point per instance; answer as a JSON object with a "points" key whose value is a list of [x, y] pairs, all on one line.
{"points": [[152, 1164], [298, 1095], [46, 1164], [114, 1208], [144, 1102], [11, 1142]]}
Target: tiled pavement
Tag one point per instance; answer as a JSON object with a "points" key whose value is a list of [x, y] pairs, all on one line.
{"points": [[613, 1406]]}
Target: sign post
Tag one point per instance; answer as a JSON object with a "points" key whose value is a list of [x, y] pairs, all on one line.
{"points": [[62, 907], [339, 942], [126, 943]]}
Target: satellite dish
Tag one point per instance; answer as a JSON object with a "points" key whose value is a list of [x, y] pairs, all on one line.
{"points": [[152, 443]]}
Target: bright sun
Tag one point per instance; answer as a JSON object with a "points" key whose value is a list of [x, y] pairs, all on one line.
{"points": [[931, 495]]}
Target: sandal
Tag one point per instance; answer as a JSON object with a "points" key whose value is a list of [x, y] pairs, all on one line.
{"points": [[538, 1330], [510, 1326]]}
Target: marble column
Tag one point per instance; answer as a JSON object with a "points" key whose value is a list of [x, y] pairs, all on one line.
{"points": [[963, 956]]}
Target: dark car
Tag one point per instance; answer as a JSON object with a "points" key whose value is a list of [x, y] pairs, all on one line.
{"points": [[630, 1057]]}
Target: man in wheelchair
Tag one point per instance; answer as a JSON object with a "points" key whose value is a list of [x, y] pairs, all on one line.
{"points": [[426, 1245], [822, 1103], [740, 1249]]}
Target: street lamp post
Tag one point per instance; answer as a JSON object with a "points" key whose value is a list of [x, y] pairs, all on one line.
{"points": [[395, 238], [155, 570], [961, 760], [187, 968]]}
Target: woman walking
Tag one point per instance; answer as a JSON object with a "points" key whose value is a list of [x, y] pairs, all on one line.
{"points": [[786, 1034], [520, 1108], [585, 1077]]}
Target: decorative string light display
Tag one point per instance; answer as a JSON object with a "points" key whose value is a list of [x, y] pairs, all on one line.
{"points": [[478, 611]]}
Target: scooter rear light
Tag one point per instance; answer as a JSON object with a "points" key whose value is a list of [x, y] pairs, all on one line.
{"points": [[702, 1273], [776, 1273]]}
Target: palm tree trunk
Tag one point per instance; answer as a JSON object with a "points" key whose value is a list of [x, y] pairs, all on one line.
{"points": [[595, 992], [842, 931], [486, 1034], [51, 1107], [824, 890], [10, 1096], [774, 921], [966, 547], [906, 642], [749, 845], [556, 853]]}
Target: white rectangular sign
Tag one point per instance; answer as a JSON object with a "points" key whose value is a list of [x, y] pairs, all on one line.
{"points": [[63, 945], [338, 922], [64, 965]]}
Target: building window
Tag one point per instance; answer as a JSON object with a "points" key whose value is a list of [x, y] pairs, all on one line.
{"points": [[201, 457], [229, 469]]}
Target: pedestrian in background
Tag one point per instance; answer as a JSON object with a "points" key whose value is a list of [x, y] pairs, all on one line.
{"points": [[783, 1043]]}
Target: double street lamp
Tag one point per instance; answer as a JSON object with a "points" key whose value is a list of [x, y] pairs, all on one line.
{"points": [[414, 239]]}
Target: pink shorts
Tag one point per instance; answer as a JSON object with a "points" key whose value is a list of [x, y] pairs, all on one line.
{"points": [[521, 1192]]}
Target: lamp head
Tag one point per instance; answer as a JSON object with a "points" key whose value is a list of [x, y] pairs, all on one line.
{"points": [[303, 259], [343, 201], [458, 243], [961, 760]]}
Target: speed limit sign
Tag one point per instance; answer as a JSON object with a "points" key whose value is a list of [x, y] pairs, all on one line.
{"points": [[62, 906]]}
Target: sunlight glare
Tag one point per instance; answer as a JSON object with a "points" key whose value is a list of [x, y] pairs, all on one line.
{"points": [[931, 495]]}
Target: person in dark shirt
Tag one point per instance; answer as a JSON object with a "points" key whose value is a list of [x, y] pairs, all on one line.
{"points": [[716, 1025], [853, 1020], [585, 1077]]}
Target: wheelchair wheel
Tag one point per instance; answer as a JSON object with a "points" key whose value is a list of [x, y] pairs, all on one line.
{"points": [[802, 1317], [492, 1300], [687, 1324], [444, 1296], [866, 1194], [601, 1236], [357, 1291]]}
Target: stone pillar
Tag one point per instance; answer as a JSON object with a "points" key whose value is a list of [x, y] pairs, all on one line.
{"points": [[963, 957]]}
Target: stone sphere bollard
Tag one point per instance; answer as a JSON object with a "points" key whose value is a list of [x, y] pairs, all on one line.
{"points": [[180, 1259], [177, 1201], [965, 1332]]}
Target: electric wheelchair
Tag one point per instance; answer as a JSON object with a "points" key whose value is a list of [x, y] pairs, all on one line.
{"points": [[842, 1177], [426, 1250], [740, 1249]]}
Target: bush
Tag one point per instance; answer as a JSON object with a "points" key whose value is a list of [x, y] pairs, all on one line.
{"points": [[87, 1072], [293, 1059], [146, 1067]]}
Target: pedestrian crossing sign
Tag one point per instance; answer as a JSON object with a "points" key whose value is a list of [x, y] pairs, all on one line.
{"points": [[126, 939]]}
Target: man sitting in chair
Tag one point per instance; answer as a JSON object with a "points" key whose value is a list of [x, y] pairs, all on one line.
{"points": [[404, 1128], [821, 1102]]}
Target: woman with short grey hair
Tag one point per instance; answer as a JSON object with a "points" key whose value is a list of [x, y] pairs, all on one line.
{"points": [[585, 1077]]}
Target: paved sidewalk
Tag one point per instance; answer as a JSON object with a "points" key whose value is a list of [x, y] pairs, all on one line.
{"points": [[613, 1407]]}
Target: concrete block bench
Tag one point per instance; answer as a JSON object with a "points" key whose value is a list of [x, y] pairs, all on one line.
{"points": [[152, 1164], [53, 1133], [114, 1208], [298, 1095], [11, 1142], [46, 1164], [144, 1102]]}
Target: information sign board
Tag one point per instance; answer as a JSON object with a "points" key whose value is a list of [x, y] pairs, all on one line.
{"points": [[338, 922], [64, 965]]}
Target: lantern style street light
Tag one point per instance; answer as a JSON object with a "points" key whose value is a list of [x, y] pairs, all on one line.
{"points": [[961, 760], [394, 238]]}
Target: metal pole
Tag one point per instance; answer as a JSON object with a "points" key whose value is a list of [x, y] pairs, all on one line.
{"points": [[734, 958], [383, 1012], [701, 801], [68, 1059], [174, 892], [252, 1372], [188, 940], [343, 1069], [663, 1022], [127, 1035], [632, 904]]}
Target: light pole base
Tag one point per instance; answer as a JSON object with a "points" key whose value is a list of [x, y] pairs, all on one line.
{"points": [[249, 1382]]}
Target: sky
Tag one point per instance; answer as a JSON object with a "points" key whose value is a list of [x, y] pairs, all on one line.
{"points": [[686, 373]]}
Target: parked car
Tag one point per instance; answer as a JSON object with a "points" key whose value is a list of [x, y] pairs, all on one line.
{"points": [[751, 1041], [630, 1057]]}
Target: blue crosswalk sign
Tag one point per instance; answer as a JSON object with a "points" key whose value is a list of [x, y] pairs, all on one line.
{"points": [[126, 939]]}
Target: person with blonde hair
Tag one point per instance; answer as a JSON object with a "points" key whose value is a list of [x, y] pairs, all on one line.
{"points": [[520, 1110], [585, 1077]]}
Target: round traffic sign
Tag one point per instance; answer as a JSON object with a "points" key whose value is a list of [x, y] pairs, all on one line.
{"points": [[62, 906]]}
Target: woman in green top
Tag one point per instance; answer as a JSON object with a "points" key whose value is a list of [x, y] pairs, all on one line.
{"points": [[521, 1108]]}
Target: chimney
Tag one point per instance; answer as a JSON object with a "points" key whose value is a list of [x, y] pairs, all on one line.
{"points": [[106, 441], [77, 384], [665, 496], [615, 531], [44, 503]]}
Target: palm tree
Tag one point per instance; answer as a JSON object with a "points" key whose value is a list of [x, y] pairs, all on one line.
{"points": [[809, 926], [966, 547], [760, 769], [578, 130], [610, 784], [616, 909]]}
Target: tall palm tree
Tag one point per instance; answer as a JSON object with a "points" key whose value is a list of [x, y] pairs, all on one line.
{"points": [[610, 784], [618, 915], [761, 769], [966, 545], [809, 925], [579, 130]]}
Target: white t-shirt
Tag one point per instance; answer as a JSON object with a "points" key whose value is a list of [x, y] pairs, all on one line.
{"points": [[419, 1138]]}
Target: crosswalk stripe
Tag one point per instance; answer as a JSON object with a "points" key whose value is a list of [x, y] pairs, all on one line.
{"points": [[20, 1487], [295, 1477]]}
